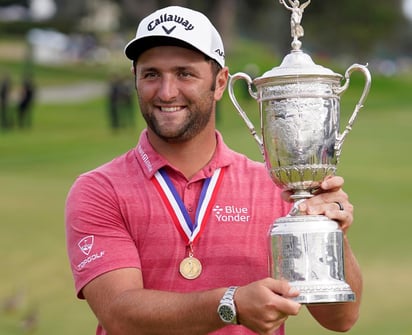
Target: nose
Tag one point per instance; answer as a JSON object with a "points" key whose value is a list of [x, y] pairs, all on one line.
{"points": [[168, 88]]}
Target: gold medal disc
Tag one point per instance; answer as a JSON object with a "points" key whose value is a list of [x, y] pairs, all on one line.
{"points": [[190, 267]]}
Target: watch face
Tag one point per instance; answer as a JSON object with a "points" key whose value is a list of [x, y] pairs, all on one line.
{"points": [[226, 313]]}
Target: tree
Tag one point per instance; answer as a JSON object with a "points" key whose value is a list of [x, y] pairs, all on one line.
{"points": [[351, 26], [68, 14]]}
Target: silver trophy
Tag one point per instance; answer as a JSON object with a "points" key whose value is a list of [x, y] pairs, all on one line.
{"points": [[301, 142]]}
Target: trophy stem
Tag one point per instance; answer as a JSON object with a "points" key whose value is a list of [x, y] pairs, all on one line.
{"points": [[301, 195]]}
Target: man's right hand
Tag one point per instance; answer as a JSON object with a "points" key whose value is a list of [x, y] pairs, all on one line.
{"points": [[263, 306]]}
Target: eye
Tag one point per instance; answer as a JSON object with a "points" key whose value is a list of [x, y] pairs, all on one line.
{"points": [[148, 75], [185, 74]]}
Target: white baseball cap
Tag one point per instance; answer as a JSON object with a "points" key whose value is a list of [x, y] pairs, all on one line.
{"points": [[178, 26]]}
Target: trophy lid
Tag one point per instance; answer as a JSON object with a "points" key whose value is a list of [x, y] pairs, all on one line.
{"points": [[297, 63]]}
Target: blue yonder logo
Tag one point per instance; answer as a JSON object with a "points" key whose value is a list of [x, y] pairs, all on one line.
{"points": [[231, 214]]}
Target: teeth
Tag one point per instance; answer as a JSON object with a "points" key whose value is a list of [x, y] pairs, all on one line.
{"points": [[170, 109]]}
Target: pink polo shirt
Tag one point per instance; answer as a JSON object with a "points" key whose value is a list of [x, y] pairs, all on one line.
{"points": [[116, 218]]}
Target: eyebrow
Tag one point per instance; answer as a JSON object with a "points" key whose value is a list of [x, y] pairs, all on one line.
{"points": [[178, 68]]}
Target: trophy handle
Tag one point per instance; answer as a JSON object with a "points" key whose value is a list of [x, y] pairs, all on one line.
{"points": [[355, 67], [242, 113]]}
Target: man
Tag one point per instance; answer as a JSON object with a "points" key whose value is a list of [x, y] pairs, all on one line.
{"points": [[161, 236]]}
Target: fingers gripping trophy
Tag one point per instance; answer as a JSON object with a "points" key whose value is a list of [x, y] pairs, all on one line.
{"points": [[299, 104]]}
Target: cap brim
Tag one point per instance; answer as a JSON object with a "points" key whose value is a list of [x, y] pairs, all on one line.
{"points": [[136, 47]]}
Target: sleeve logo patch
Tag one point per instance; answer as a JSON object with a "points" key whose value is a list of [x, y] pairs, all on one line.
{"points": [[86, 244]]}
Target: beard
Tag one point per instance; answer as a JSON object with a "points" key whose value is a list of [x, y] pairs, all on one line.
{"points": [[195, 120]]}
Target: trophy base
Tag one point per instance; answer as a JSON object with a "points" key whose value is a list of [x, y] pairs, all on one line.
{"points": [[307, 251], [323, 294]]}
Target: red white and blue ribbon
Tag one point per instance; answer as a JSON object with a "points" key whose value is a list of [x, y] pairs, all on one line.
{"points": [[189, 230]]}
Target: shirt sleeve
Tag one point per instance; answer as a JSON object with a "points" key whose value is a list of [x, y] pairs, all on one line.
{"points": [[97, 237]]}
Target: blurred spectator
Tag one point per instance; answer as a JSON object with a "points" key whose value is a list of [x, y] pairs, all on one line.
{"points": [[121, 109], [25, 103], [5, 87]]}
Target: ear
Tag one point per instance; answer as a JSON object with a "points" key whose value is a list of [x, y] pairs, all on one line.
{"points": [[221, 83]]}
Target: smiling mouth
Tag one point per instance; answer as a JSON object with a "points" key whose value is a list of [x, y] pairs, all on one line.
{"points": [[171, 109]]}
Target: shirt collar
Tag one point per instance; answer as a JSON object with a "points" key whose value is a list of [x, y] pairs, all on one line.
{"points": [[151, 161]]}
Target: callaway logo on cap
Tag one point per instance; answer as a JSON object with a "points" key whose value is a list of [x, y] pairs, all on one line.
{"points": [[177, 26]]}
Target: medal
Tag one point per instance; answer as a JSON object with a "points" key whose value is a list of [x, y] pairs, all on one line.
{"points": [[190, 267]]}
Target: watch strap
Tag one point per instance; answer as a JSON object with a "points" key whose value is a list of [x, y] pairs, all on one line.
{"points": [[229, 294]]}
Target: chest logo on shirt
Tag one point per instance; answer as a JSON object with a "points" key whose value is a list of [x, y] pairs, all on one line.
{"points": [[86, 244], [231, 214]]}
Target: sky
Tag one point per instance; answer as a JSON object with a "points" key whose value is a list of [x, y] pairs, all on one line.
{"points": [[407, 8], [42, 9]]}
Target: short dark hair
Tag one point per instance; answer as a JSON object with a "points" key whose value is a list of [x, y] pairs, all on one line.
{"points": [[216, 67]]}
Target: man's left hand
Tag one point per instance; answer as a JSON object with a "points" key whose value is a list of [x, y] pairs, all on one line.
{"points": [[329, 200]]}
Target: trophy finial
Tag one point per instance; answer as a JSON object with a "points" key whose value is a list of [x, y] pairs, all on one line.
{"points": [[296, 17]]}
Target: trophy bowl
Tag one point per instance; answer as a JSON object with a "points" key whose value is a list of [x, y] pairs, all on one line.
{"points": [[301, 142]]}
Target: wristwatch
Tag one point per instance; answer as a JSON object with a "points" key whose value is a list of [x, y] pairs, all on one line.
{"points": [[227, 309]]}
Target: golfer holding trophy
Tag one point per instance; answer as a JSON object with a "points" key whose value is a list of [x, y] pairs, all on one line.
{"points": [[299, 104]]}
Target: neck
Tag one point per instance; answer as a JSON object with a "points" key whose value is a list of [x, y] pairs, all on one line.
{"points": [[190, 156]]}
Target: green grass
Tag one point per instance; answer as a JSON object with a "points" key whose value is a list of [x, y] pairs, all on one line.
{"points": [[38, 166]]}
